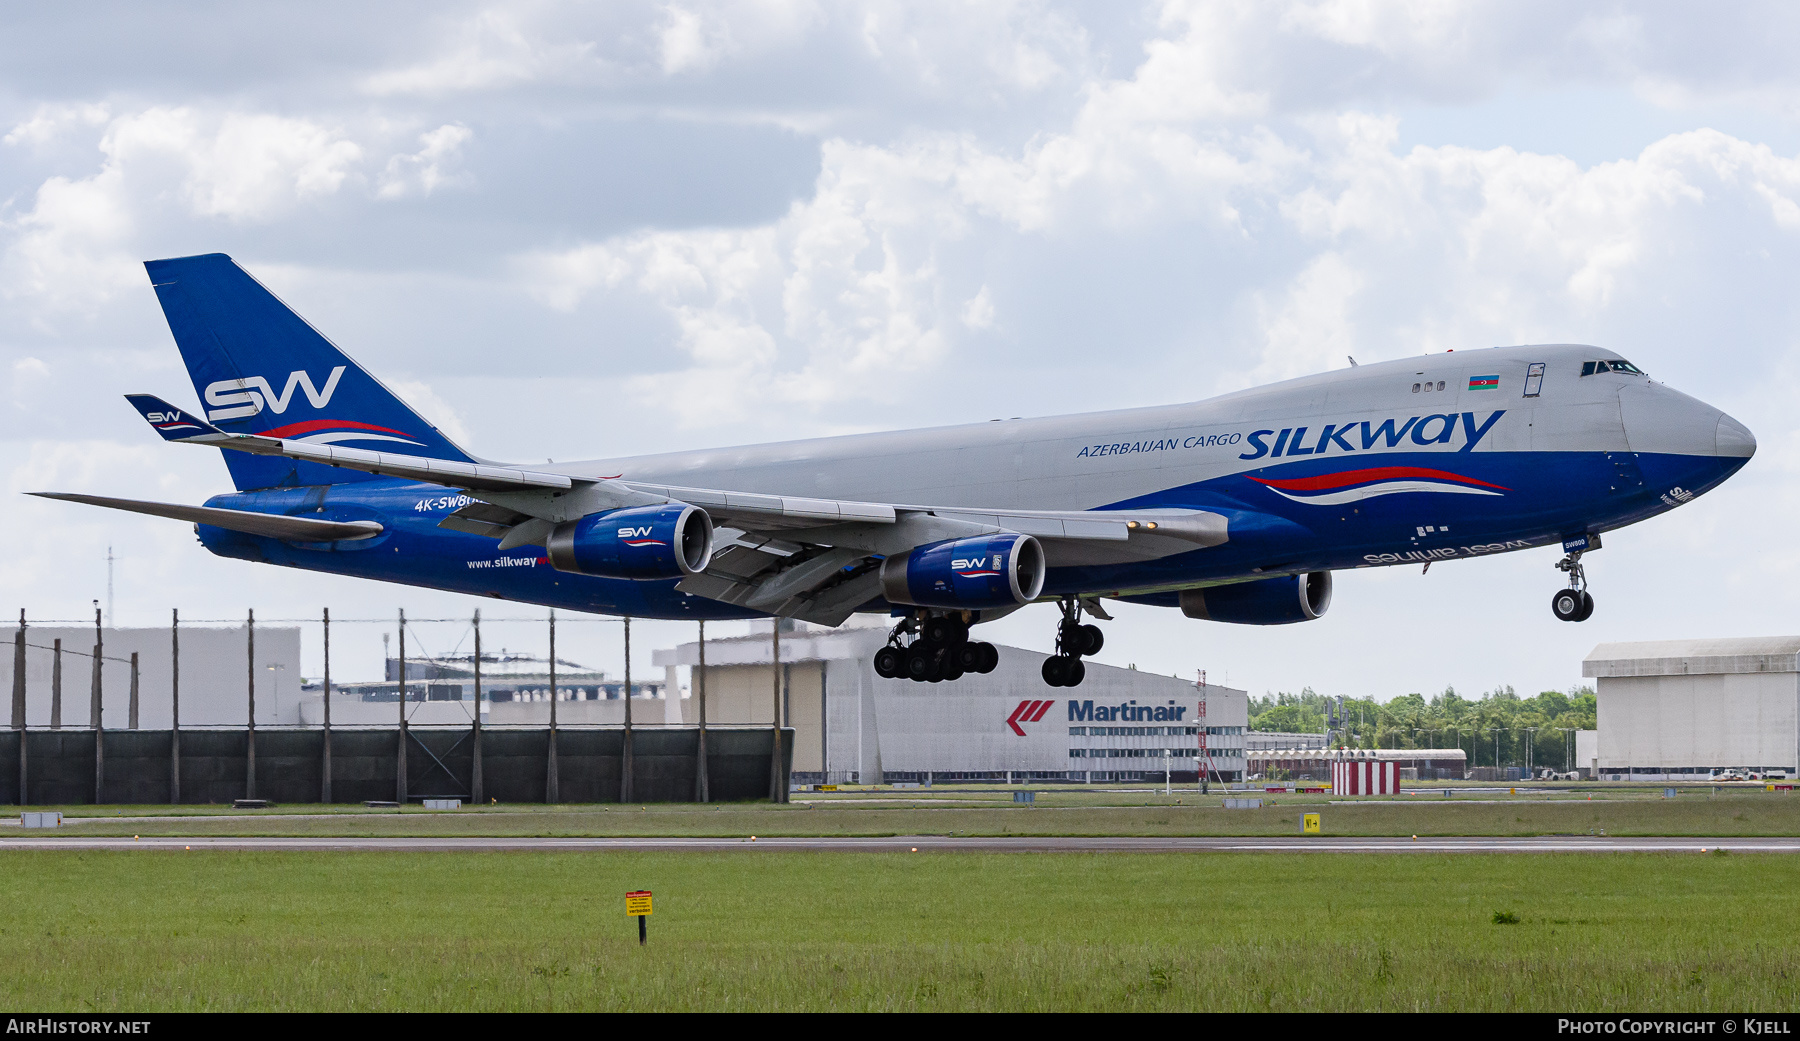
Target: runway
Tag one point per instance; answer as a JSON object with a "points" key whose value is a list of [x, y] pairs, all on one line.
{"points": [[919, 844]]}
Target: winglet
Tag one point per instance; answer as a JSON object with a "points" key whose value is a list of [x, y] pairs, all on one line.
{"points": [[172, 423]]}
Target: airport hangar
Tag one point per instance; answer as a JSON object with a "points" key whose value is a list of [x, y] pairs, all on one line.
{"points": [[852, 726], [1686, 710]]}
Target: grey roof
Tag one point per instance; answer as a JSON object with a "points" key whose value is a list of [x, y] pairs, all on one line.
{"points": [[1694, 657]]}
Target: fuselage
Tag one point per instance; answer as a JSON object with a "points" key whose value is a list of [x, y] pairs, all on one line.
{"points": [[1446, 456]]}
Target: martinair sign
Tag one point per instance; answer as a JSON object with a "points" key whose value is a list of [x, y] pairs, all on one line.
{"points": [[1031, 711]]}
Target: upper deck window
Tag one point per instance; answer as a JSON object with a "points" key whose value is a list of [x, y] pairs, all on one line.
{"points": [[1589, 368]]}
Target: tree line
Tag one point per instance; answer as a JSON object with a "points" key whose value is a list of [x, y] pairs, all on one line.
{"points": [[1500, 728]]}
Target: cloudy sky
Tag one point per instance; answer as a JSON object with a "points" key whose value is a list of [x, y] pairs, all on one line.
{"points": [[584, 230]]}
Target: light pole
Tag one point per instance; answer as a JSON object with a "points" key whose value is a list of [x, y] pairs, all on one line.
{"points": [[1568, 749], [1530, 766], [1496, 731]]}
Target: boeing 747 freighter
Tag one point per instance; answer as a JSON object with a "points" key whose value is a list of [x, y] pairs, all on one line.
{"points": [[1233, 509]]}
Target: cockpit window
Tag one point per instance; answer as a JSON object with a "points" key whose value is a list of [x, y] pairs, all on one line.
{"points": [[1589, 368]]}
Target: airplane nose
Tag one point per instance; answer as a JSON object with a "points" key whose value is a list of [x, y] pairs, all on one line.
{"points": [[1733, 439]]}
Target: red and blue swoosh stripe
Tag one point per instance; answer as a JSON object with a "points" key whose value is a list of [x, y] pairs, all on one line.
{"points": [[1351, 485], [331, 431]]}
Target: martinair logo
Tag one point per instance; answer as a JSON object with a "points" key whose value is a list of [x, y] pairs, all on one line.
{"points": [[1027, 712], [252, 395], [1353, 485]]}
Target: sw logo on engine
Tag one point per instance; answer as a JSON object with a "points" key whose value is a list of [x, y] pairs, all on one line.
{"points": [[237, 399]]}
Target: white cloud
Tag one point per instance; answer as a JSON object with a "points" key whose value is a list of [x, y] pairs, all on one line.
{"points": [[1312, 328], [978, 313], [438, 412], [240, 166], [51, 121], [29, 377], [688, 42], [494, 49], [67, 250], [432, 166]]}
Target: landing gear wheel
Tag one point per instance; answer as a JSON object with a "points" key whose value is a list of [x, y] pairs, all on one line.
{"points": [[889, 661], [1073, 639], [941, 631], [968, 657], [919, 663], [990, 658], [1573, 604], [1062, 670]]}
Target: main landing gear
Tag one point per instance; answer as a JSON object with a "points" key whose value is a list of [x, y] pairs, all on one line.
{"points": [[1073, 641], [941, 650], [1572, 604]]}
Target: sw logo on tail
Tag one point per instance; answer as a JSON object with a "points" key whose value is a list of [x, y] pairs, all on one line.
{"points": [[237, 399]]}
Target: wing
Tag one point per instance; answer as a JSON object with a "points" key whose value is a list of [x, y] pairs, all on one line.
{"points": [[793, 556], [272, 525]]}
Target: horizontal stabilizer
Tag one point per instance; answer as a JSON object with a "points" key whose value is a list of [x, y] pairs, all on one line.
{"points": [[269, 525], [172, 423]]}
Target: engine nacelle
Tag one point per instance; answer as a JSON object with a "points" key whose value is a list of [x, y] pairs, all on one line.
{"points": [[985, 571], [644, 543], [1267, 601]]}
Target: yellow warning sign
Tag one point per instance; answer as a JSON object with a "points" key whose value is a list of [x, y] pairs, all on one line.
{"points": [[637, 903], [1309, 824]]}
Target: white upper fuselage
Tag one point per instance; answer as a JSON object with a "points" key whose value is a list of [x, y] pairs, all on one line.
{"points": [[1095, 459]]}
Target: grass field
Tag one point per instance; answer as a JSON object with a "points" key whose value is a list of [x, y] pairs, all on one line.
{"points": [[1080, 812], [536, 931]]}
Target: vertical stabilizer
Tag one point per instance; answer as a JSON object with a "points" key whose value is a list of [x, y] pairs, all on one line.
{"points": [[259, 368]]}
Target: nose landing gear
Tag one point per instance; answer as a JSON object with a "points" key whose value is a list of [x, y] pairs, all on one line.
{"points": [[1572, 604], [941, 650], [1073, 642]]}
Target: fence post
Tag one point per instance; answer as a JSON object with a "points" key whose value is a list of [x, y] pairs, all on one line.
{"points": [[174, 705], [701, 786], [132, 715], [18, 677], [625, 765], [476, 795], [777, 790], [18, 699], [250, 694], [56, 685], [400, 762], [325, 765], [94, 714], [551, 794]]}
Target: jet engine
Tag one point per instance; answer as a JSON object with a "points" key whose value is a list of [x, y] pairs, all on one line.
{"points": [[644, 543], [1266, 601], [984, 571]]}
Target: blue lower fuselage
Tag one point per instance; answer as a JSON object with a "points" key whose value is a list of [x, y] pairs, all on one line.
{"points": [[1517, 500]]}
